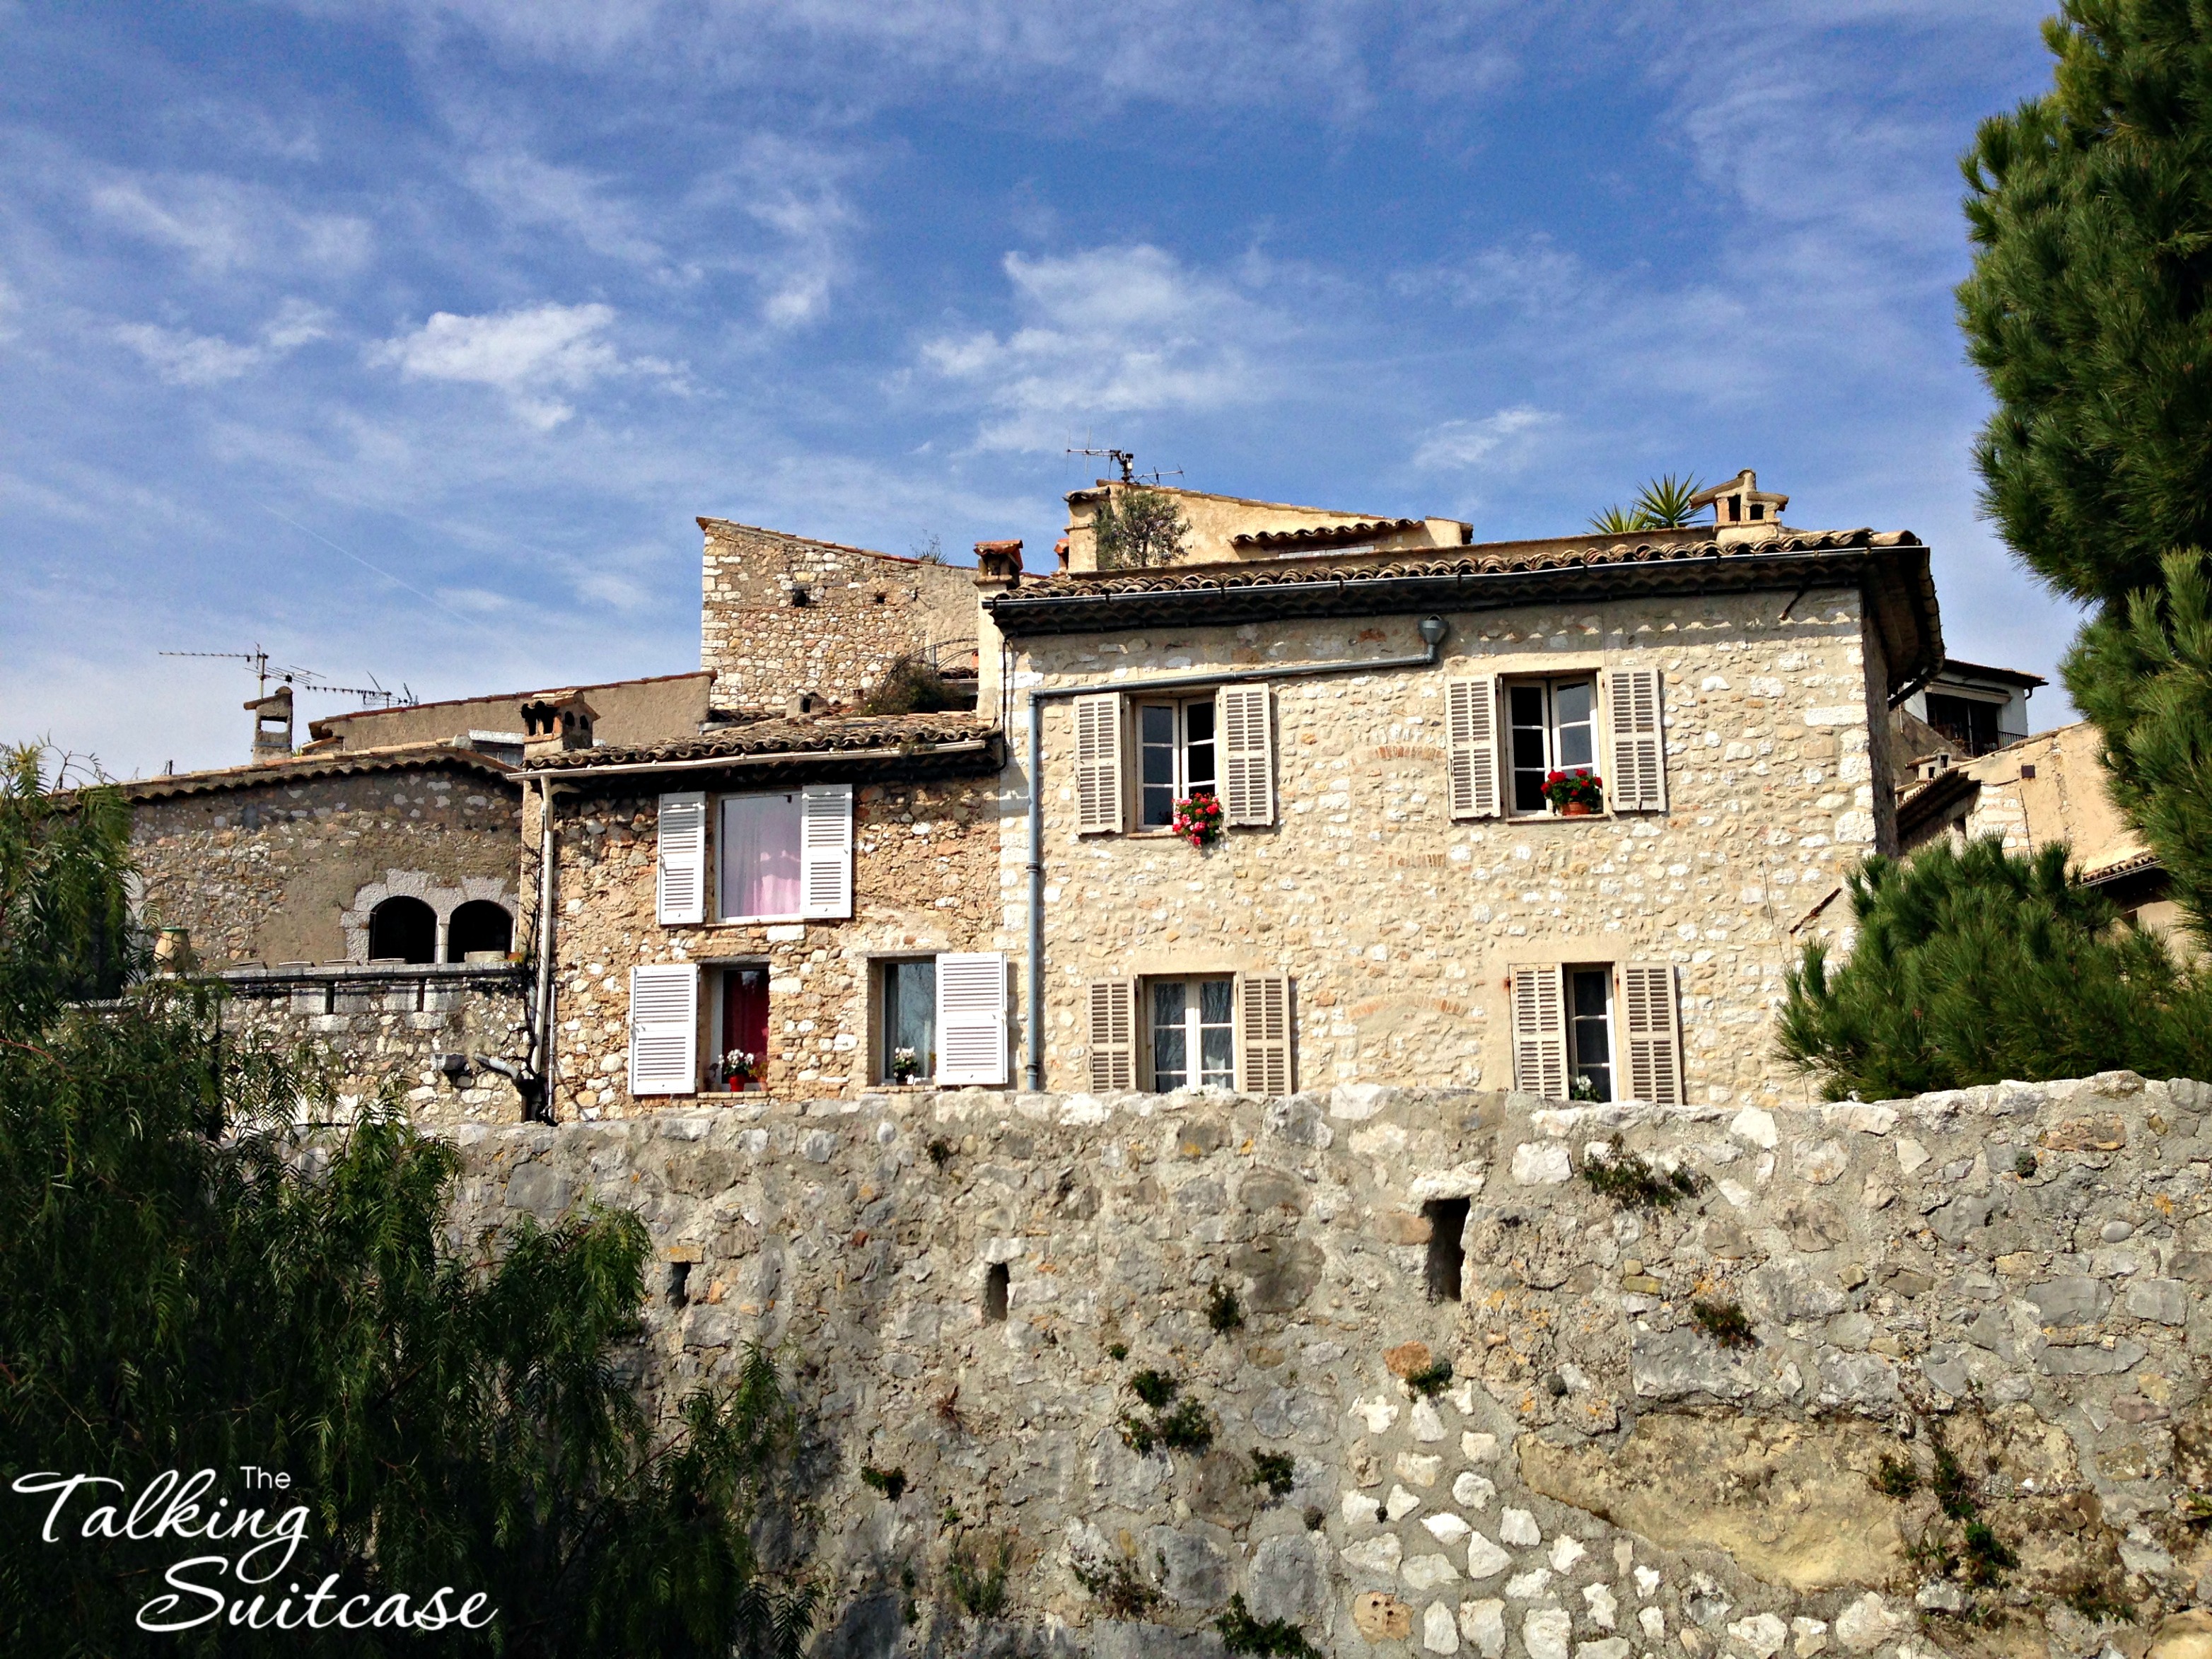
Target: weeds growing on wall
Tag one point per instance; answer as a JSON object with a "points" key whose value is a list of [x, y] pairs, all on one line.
{"points": [[911, 686], [1633, 1182], [976, 1574], [1241, 1633]]}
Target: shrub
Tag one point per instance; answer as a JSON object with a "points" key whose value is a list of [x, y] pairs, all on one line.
{"points": [[1222, 1311], [1432, 1379], [890, 1482], [1635, 1183], [1138, 528], [978, 1577], [1276, 1471], [1724, 1323], [910, 686], [1241, 1633], [1118, 1586]]}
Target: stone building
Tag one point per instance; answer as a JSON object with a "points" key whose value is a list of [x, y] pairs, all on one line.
{"points": [[782, 614], [814, 893], [1393, 899], [661, 708]]}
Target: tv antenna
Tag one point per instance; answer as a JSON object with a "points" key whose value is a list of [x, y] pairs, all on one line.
{"points": [[372, 695], [1127, 462]]}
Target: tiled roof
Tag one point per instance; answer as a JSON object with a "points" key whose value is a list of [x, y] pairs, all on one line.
{"points": [[827, 735], [1324, 535], [303, 768], [1563, 553], [340, 721]]}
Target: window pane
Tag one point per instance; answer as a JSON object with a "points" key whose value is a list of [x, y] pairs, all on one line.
{"points": [[760, 855], [1589, 993], [1570, 707], [1157, 734], [1525, 705], [1198, 771], [1216, 1000], [1171, 1054], [910, 1013]]}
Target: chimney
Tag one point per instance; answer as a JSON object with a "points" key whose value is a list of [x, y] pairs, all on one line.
{"points": [[807, 701], [1742, 511], [999, 562], [272, 726], [555, 723]]}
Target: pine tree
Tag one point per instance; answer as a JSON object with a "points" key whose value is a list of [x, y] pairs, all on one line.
{"points": [[1973, 965], [1136, 528], [191, 1279]]}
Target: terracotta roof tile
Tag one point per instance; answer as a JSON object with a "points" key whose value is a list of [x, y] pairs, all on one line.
{"points": [[302, 769], [828, 735], [1324, 535]]}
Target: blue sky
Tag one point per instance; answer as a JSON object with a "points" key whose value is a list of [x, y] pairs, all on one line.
{"points": [[407, 338]]}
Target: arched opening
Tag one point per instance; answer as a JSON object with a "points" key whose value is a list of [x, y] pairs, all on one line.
{"points": [[479, 925], [404, 930]]}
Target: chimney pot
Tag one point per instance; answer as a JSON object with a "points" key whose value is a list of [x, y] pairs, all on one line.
{"points": [[272, 726], [998, 564], [557, 723]]}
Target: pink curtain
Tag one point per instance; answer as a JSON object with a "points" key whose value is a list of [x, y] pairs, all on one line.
{"points": [[760, 855]]}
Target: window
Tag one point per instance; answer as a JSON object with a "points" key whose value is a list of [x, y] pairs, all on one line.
{"points": [[1589, 1033], [479, 925], [909, 1006], [1967, 721], [760, 856], [1447, 1261], [403, 930], [743, 1019], [1175, 747], [1193, 1033], [1551, 727]]}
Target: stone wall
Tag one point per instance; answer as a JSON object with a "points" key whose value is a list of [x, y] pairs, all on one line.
{"points": [[1398, 925], [391, 1030], [925, 880], [1991, 1302], [860, 611], [281, 869]]}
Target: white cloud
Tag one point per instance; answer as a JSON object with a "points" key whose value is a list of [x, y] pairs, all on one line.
{"points": [[221, 225], [530, 355], [1500, 441], [1112, 331], [183, 358]]}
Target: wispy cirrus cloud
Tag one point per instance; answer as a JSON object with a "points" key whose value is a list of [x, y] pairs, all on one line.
{"points": [[184, 358], [530, 355], [1497, 442]]}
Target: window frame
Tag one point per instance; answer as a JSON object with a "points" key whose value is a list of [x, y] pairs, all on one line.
{"points": [[1605, 974], [1194, 1026], [1181, 787], [882, 969], [720, 851], [1549, 686]]}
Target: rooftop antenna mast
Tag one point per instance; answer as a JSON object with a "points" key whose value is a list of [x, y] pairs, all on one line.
{"points": [[1121, 457], [372, 695]]}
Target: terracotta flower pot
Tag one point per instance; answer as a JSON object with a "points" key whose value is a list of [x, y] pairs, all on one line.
{"points": [[1578, 809]]}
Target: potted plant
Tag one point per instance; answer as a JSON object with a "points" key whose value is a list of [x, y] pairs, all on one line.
{"points": [[740, 1070], [906, 1066], [1578, 794], [1198, 819]]}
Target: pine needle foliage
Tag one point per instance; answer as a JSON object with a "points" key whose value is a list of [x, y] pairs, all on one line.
{"points": [[2144, 675], [1138, 528], [2089, 305], [1973, 965], [201, 1268]]}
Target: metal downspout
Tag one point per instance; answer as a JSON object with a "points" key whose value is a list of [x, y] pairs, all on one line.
{"points": [[1433, 630], [542, 1059]]}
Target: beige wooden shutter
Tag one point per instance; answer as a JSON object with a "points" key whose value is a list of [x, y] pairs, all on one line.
{"points": [[1247, 740], [1540, 1032], [664, 1029], [1640, 745], [1651, 1027], [1471, 746], [825, 851], [1097, 763], [1263, 1033], [681, 881], [971, 1017], [1113, 1005]]}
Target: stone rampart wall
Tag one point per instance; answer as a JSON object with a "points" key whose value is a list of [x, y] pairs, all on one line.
{"points": [[1728, 1426]]}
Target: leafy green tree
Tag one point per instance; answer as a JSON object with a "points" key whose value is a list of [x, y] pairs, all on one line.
{"points": [[1973, 965], [2090, 209], [1663, 503], [470, 1414], [2144, 675], [1138, 528]]}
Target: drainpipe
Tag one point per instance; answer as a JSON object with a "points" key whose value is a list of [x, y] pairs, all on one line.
{"points": [[542, 1058], [1433, 630]]}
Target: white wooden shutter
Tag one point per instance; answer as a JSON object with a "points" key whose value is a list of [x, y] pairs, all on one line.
{"points": [[1113, 1006], [681, 882], [664, 1030], [1639, 744], [1651, 1027], [1263, 1033], [1471, 746], [825, 851], [1097, 763], [1540, 1032], [971, 1017], [1245, 741]]}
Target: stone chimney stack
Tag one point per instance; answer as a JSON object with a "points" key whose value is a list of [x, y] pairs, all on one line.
{"points": [[1742, 511], [272, 726], [555, 723], [997, 570]]}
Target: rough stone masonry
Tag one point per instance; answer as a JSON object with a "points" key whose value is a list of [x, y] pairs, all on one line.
{"points": [[1887, 1380]]}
